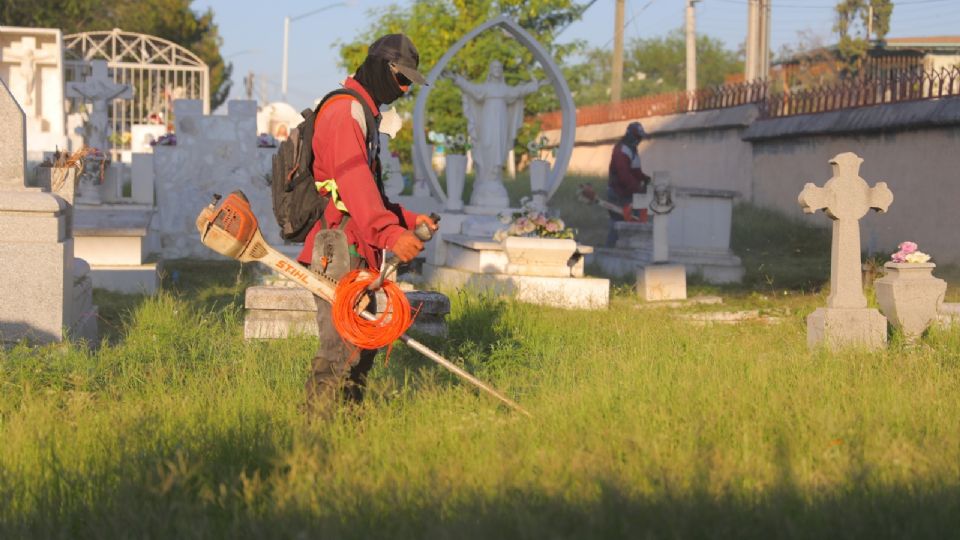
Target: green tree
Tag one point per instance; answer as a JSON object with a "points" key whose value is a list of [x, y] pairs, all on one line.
{"points": [[435, 25], [169, 19], [854, 17], [653, 66]]}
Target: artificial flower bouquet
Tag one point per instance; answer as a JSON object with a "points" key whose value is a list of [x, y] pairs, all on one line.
{"points": [[909, 253], [532, 223]]}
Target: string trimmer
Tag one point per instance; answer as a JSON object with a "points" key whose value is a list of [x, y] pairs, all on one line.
{"points": [[231, 229], [587, 195]]}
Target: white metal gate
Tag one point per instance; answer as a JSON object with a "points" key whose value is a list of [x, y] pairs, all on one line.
{"points": [[159, 71]]}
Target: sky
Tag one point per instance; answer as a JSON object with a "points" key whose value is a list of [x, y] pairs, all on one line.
{"points": [[253, 32]]}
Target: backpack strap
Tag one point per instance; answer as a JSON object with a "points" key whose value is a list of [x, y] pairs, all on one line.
{"points": [[372, 140], [372, 125]]}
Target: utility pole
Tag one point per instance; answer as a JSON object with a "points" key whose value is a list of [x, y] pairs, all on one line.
{"points": [[286, 41], [764, 45], [869, 21], [757, 64], [616, 79], [691, 46], [286, 47], [750, 62]]}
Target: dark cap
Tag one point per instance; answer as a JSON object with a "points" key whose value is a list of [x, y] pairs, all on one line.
{"points": [[636, 129], [400, 52]]}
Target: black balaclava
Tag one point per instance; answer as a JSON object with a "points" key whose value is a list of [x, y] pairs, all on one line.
{"points": [[633, 135], [375, 75]]}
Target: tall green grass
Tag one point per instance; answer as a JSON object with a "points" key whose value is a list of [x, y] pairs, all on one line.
{"points": [[643, 426]]}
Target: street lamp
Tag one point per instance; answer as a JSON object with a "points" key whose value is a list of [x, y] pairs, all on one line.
{"points": [[286, 39]]}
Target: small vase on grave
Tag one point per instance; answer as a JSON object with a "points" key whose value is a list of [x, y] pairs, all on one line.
{"points": [[456, 171], [909, 296]]}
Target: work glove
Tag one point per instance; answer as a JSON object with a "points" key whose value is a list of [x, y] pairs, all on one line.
{"points": [[407, 246], [423, 218]]}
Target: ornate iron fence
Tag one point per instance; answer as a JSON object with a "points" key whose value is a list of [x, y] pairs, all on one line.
{"points": [[894, 87], [715, 97], [908, 85]]}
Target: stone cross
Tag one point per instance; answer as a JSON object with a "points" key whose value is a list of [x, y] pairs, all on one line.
{"points": [[100, 90], [29, 56], [13, 154], [845, 198]]}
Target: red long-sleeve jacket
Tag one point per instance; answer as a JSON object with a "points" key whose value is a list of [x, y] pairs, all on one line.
{"points": [[626, 177], [340, 153]]}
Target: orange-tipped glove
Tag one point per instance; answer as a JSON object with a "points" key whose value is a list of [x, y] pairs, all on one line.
{"points": [[423, 218], [407, 246]]}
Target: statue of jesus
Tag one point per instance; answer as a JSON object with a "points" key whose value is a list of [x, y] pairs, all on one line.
{"points": [[494, 112]]}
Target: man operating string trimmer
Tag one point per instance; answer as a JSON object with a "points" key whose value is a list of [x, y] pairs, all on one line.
{"points": [[328, 193], [348, 174]]}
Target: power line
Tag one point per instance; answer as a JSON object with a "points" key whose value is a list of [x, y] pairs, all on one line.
{"points": [[808, 6], [626, 24]]}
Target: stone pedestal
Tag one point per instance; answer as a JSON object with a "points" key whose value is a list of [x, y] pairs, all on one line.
{"points": [[115, 240], [909, 296], [482, 264], [36, 277], [538, 256], [846, 327], [657, 282]]}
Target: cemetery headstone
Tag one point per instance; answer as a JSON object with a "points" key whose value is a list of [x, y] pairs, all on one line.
{"points": [[660, 280], [37, 274], [846, 198], [212, 154]]}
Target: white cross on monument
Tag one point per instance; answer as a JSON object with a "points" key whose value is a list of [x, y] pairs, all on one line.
{"points": [[100, 90], [26, 53], [845, 198]]}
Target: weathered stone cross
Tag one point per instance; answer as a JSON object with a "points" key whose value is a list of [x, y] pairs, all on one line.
{"points": [[845, 198]]}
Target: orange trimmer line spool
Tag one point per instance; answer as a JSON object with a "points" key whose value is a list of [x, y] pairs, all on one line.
{"points": [[387, 328]]}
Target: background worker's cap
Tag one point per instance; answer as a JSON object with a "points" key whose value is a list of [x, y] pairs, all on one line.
{"points": [[636, 129], [400, 52]]}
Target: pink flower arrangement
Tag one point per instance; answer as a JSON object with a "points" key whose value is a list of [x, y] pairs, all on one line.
{"points": [[909, 253], [532, 223]]}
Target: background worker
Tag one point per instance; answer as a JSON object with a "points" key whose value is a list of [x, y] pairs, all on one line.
{"points": [[626, 177], [372, 223]]}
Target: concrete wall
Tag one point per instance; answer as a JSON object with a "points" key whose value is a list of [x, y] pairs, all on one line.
{"points": [[914, 147], [922, 169]]}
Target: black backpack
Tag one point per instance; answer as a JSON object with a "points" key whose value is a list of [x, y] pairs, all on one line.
{"points": [[296, 203]]}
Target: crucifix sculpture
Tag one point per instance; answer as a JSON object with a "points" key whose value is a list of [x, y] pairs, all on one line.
{"points": [[100, 90], [845, 198], [30, 57]]}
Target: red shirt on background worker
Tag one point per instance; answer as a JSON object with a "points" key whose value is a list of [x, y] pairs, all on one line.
{"points": [[626, 177], [375, 224]]}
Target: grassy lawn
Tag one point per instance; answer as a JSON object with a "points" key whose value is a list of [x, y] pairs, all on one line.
{"points": [[645, 425]]}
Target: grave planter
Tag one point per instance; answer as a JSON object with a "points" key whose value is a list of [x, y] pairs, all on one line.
{"points": [[456, 169], [909, 295], [539, 256]]}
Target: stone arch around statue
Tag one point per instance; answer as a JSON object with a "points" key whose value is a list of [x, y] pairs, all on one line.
{"points": [[569, 120]]}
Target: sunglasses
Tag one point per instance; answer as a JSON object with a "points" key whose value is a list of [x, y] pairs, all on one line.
{"points": [[402, 79]]}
